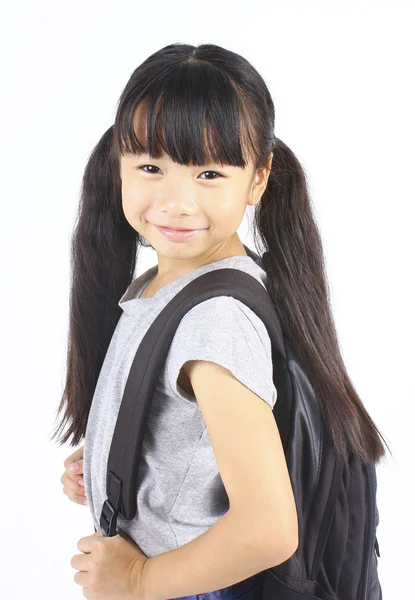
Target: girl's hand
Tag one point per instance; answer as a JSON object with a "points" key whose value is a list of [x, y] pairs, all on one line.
{"points": [[110, 568], [73, 481]]}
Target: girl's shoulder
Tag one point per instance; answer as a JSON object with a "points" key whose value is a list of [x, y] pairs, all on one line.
{"points": [[226, 331]]}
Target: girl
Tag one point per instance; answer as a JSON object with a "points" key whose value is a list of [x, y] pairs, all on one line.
{"points": [[191, 147]]}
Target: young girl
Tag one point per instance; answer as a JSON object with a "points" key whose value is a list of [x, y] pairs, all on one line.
{"points": [[191, 147]]}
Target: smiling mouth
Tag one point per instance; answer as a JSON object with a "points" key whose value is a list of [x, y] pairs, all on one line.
{"points": [[175, 228], [178, 234]]}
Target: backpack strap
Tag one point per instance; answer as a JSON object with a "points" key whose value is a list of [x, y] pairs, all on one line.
{"points": [[327, 517], [126, 446]]}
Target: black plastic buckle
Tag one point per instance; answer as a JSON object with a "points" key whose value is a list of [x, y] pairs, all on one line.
{"points": [[108, 520]]}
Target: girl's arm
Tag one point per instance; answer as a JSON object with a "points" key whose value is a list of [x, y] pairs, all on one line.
{"points": [[225, 554], [260, 528]]}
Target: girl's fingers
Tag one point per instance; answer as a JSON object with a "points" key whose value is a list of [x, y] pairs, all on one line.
{"points": [[76, 468], [72, 480], [81, 499], [73, 489], [75, 456], [67, 477], [78, 498], [74, 475]]}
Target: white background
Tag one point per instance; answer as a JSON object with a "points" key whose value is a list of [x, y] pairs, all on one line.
{"points": [[341, 76]]}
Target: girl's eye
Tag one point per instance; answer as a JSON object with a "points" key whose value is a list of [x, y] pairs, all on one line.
{"points": [[144, 167], [215, 172]]}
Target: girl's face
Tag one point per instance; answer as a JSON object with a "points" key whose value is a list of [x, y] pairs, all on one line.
{"points": [[211, 199]]}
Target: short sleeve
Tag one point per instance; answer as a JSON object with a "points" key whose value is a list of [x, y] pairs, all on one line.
{"points": [[225, 331]]}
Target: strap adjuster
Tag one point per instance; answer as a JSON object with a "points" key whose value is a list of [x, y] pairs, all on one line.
{"points": [[108, 520]]}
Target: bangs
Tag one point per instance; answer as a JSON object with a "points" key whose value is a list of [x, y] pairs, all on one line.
{"points": [[193, 114]]}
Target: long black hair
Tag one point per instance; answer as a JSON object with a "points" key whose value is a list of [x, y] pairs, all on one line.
{"points": [[206, 104]]}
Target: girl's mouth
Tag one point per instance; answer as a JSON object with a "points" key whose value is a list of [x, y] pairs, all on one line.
{"points": [[177, 234]]}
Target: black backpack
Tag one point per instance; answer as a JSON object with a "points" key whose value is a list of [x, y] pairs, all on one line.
{"points": [[336, 558]]}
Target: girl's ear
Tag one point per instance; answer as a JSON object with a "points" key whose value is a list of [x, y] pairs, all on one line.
{"points": [[260, 181]]}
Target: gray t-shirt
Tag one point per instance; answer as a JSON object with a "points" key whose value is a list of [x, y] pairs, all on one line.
{"points": [[181, 493]]}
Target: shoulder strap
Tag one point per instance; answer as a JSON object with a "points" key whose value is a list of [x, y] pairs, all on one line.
{"points": [[126, 445]]}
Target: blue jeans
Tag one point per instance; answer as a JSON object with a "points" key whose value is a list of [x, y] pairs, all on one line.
{"points": [[248, 589]]}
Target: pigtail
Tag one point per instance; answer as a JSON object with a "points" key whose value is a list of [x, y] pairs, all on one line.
{"points": [[297, 283], [103, 258]]}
